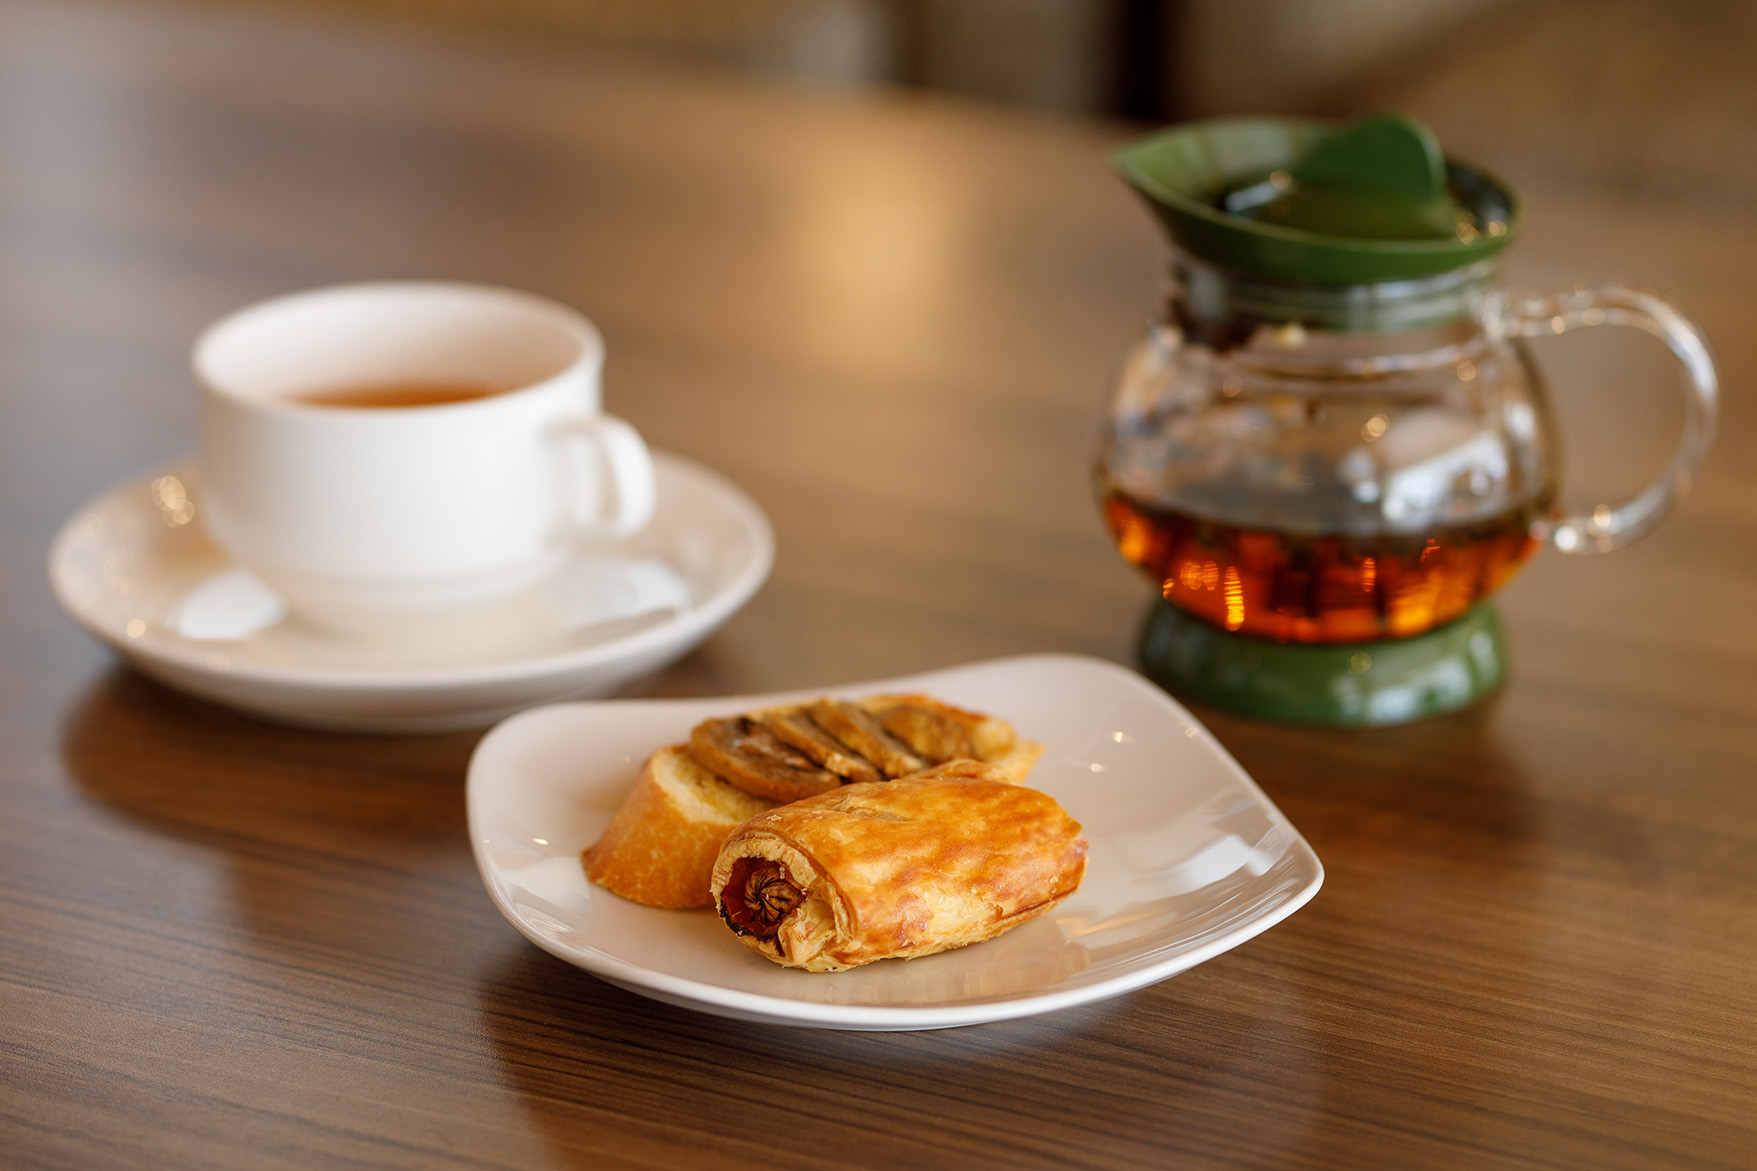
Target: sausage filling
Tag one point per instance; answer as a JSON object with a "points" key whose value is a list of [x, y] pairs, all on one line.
{"points": [[757, 897]]}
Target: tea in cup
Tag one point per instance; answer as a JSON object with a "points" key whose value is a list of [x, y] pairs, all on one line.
{"points": [[391, 454]]}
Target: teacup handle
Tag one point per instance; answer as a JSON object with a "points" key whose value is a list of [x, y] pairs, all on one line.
{"points": [[1606, 528], [607, 476]]}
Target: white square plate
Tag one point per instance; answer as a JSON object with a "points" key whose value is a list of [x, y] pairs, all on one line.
{"points": [[1188, 857]]}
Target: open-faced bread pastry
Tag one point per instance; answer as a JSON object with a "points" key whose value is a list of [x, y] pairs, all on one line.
{"points": [[794, 726], [894, 869], [785, 753], [749, 754], [660, 846], [939, 732]]}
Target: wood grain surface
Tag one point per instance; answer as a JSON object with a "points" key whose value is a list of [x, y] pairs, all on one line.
{"points": [[225, 943]]}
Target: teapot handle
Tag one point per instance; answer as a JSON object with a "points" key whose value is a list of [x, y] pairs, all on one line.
{"points": [[1606, 528]]}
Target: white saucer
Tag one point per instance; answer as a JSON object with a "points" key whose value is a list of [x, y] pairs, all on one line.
{"points": [[134, 570], [1188, 857]]}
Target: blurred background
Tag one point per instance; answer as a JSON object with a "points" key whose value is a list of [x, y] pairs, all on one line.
{"points": [[1649, 99]]}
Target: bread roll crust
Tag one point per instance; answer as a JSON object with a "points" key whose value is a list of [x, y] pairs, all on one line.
{"points": [[660, 847]]}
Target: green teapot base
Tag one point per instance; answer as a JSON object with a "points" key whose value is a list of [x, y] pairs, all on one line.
{"points": [[1368, 684]]}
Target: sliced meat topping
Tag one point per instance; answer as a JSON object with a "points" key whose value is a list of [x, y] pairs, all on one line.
{"points": [[860, 730], [934, 736], [757, 897], [796, 730], [750, 756]]}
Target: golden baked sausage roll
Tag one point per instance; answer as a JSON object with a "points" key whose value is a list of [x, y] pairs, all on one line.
{"points": [[894, 869]]}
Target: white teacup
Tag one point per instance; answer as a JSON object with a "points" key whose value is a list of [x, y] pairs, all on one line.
{"points": [[385, 455]]}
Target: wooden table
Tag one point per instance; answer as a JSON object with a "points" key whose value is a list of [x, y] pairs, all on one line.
{"points": [[227, 943]]}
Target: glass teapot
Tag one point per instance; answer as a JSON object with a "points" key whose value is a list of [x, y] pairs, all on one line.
{"points": [[1330, 445]]}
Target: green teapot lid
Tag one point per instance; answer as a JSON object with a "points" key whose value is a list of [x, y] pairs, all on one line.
{"points": [[1310, 201]]}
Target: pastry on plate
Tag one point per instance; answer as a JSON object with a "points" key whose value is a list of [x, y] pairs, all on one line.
{"points": [[896, 869], [660, 847]]}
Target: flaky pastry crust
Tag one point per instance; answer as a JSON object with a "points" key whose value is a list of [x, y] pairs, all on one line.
{"points": [[892, 870]]}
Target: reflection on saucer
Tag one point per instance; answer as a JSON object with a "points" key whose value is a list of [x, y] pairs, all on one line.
{"points": [[590, 600], [173, 604], [595, 594], [229, 605]]}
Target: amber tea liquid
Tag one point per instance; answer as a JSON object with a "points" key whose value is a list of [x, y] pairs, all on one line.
{"points": [[1321, 589], [379, 396]]}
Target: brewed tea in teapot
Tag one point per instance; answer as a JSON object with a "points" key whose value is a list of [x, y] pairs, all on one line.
{"points": [[1330, 447]]}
